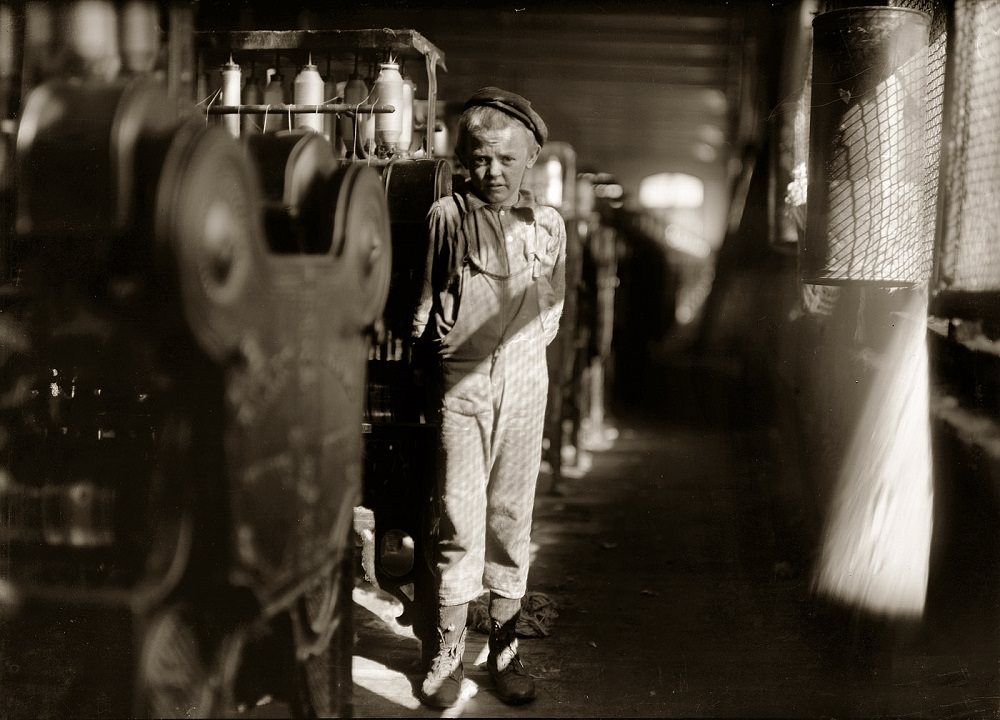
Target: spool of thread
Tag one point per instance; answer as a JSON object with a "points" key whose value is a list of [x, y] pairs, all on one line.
{"points": [[419, 126], [389, 91], [309, 91], [274, 94], [232, 78], [90, 38], [406, 135], [140, 35], [441, 147], [252, 95], [352, 130]]}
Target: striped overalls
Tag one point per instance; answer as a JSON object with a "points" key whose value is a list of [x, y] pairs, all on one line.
{"points": [[492, 300]]}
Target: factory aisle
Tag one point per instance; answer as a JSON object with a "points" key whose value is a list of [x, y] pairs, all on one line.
{"points": [[678, 596]]}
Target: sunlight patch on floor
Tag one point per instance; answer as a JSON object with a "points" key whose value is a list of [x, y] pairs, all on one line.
{"points": [[469, 690], [382, 681], [383, 606]]}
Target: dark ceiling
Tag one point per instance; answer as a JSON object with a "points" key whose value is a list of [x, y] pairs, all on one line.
{"points": [[634, 93]]}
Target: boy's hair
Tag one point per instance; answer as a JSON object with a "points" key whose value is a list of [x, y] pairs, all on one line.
{"points": [[481, 117]]}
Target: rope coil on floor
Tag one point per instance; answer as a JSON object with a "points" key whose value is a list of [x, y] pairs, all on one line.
{"points": [[538, 615]]}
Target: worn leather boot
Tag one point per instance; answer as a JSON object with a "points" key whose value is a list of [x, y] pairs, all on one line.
{"points": [[442, 686], [513, 683]]}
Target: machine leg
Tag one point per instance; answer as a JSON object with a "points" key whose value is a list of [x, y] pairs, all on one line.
{"points": [[324, 648], [173, 678]]}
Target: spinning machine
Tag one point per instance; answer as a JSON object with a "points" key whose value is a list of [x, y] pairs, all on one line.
{"points": [[190, 320]]}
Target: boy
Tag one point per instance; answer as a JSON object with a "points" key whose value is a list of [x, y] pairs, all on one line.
{"points": [[492, 297]]}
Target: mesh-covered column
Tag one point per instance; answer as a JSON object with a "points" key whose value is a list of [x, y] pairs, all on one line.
{"points": [[867, 149]]}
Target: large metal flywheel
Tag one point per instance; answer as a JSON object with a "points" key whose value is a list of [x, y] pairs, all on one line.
{"points": [[361, 238], [208, 225]]}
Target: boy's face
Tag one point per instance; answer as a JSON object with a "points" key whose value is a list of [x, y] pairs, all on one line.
{"points": [[497, 160]]}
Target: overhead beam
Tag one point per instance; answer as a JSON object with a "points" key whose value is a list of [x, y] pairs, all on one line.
{"points": [[602, 48], [622, 23], [689, 97], [657, 109], [652, 75]]}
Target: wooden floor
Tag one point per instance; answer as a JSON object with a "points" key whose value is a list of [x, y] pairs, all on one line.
{"points": [[682, 593]]}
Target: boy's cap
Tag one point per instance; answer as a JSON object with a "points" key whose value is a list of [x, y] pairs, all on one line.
{"points": [[511, 104]]}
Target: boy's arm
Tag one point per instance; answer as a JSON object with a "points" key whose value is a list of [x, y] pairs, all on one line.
{"points": [[557, 279], [442, 224]]}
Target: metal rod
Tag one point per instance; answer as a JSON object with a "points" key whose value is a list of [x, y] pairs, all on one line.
{"points": [[430, 62], [298, 109]]}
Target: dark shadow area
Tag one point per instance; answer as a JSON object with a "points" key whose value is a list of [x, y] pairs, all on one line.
{"points": [[855, 664]]}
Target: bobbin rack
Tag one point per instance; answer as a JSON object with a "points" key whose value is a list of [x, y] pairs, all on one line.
{"points": [[338, 48]]}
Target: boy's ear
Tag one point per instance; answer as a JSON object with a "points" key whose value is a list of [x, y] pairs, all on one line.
{"points": [[534, 155]]}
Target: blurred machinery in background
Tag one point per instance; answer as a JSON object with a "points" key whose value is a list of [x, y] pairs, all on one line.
{"points": [[552, 182], [188, 328], [580, 356], [600, 241]]}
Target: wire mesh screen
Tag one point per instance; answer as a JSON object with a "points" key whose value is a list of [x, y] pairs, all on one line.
{"points": [[868, 149], [819, 299], [936, 63], [969, 237]]}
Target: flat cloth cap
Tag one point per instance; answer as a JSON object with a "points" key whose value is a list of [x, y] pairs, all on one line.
{"points": [[511, 104]]}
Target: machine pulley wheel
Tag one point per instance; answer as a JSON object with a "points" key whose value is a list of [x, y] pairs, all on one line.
{"points": [[412, 186], [295, 167], [361, 238], [77, 145], [209, 236]]}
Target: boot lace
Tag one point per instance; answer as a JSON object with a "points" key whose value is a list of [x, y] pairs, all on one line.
{"points": [[446, 659], [508, 660]]}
